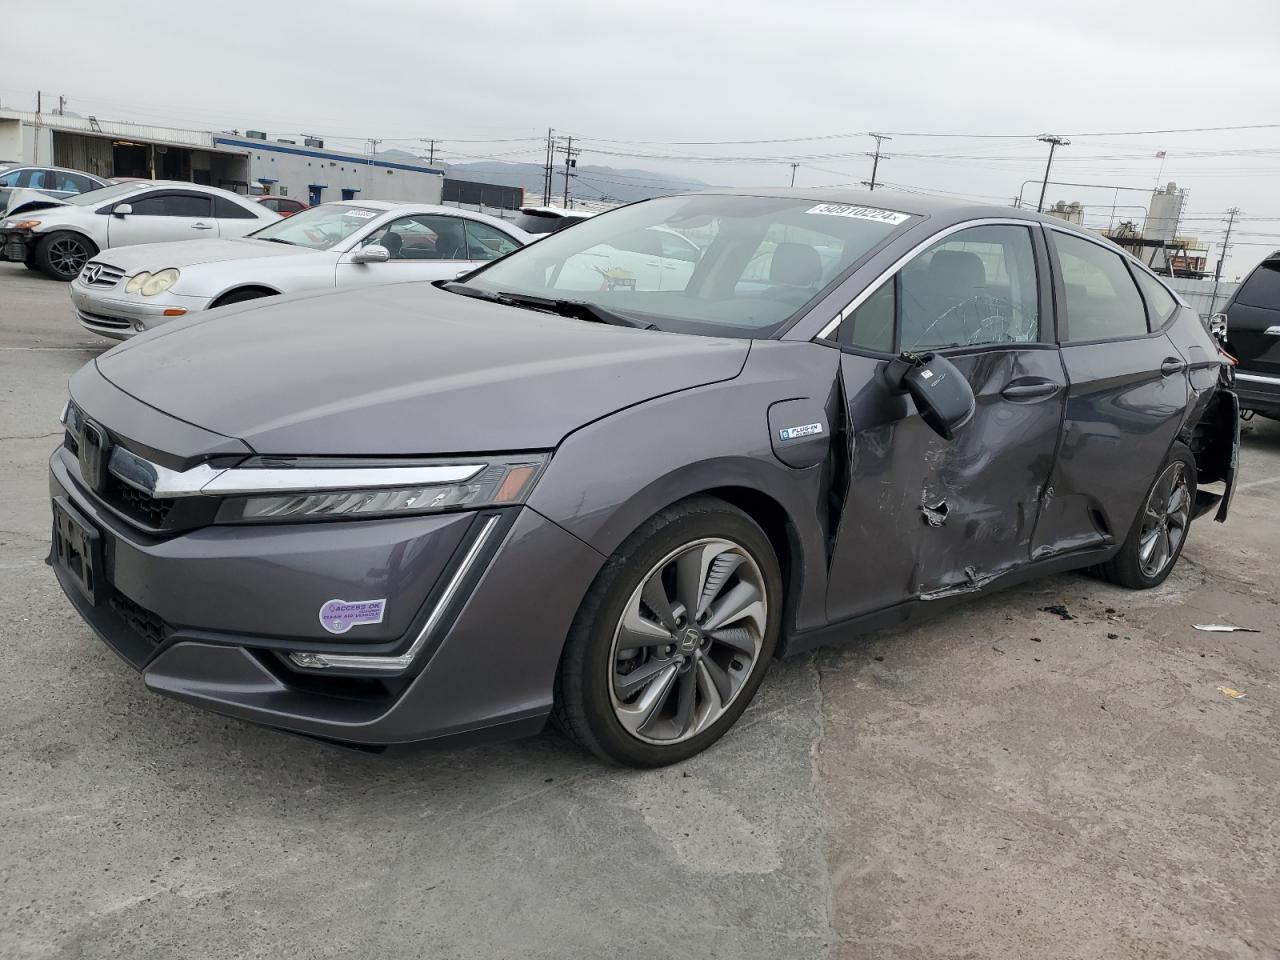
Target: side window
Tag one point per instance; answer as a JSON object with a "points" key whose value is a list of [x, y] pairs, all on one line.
{"points": [[675, 247], [40, 180], [871, 325], [1102, 301], [225, 209], [485, 242], [75, 183], [172, 205], [1160, 302], [977, 286], [422, 237], [10, 179]]}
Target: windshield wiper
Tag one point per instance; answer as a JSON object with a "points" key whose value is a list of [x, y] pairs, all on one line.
{"points": [[580, 309], [276, 240]]}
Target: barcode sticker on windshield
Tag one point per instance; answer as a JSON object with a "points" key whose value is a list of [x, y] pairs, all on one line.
{"points": [[860, 213], [360, 214]]}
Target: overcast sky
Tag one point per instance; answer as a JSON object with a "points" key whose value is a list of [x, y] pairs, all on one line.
{"points": [[659, 74]]}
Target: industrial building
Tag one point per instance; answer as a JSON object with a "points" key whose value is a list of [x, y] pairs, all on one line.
{"points": [[249, 163], [1157, 243]]}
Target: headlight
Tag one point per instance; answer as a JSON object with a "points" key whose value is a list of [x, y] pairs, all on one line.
{"points": [[274, 490], [150, 284], [21, 224]]}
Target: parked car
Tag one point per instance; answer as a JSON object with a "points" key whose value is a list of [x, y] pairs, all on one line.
{"points": [[543, 220], [58, 236], [285, 206], [57, 182], [1250, 323], [424, 511], [342, 244]]}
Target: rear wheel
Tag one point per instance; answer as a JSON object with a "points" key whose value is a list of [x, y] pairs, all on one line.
{"points": [[63, 255], [1158, 534], [673, 638]]}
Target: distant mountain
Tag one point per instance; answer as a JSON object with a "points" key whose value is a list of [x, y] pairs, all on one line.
{"points": [[619, 184]]}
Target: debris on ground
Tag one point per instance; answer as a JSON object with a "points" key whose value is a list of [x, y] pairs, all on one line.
{"points": [[1058, 610], [1113, 636], [1223, 628], [1232, 692]]}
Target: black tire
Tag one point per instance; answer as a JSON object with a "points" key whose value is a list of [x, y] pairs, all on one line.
{"points": [[62, 255], [1126, 568], [583, 706], [240, 296]]}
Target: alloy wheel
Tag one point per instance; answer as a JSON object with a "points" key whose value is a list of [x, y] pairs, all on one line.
{"points": [[1164, 520], [67, 256], [688, 640]]}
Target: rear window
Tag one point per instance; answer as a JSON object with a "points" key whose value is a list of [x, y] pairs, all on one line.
{"points": [[531, 222], [1262, 287]]}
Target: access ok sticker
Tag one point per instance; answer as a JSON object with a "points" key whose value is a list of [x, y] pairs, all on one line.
{"points": [[859, 213], [339, 616]]}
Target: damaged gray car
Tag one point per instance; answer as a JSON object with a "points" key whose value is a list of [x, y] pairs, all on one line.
{"points": [[608, 478]]}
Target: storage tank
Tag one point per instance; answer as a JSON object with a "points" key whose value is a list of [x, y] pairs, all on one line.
{"points": [[1165, 213]]}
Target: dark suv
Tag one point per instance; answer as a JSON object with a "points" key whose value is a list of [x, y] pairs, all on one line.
{"points": [[1253, 334]]}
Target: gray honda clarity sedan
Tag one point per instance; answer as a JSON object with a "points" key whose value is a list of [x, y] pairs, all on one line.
{"points": [[608, 478]]}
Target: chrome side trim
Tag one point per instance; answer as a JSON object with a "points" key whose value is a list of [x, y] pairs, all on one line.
{"points": [[1258, 378], [204, 480], [911, 254], [324, 661]]}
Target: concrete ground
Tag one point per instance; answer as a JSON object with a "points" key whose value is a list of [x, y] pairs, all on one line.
{"points": [[998, 783]]}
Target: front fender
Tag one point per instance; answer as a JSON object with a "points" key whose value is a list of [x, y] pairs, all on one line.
{"points": [[609, 477]]}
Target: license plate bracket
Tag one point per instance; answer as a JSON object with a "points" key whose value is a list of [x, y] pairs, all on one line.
{"points": [[77, 549]]}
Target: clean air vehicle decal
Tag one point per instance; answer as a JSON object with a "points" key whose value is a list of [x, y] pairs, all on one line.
{"points": [[339, 616], [795, 433], [860, 213]]}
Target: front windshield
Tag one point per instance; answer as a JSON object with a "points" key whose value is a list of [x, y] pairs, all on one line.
{"points": [[711, 264], [320, 228], [92, 197]]}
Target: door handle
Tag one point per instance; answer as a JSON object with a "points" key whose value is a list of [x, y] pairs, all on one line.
{"points": [[202, 226], [1171, 366], [1030, 389]]}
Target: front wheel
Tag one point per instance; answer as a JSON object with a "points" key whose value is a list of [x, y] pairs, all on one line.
{"points": [[673, 638], [1158, 534], [63, 255]]}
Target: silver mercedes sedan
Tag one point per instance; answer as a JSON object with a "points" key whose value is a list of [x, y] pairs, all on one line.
{"points": [[346, 244]]}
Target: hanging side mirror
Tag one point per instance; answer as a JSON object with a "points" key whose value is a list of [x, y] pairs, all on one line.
{"points": [[941, 394], [122, 209]]}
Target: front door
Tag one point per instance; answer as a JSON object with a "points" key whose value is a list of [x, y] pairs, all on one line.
{"points": [[422, 247], [1126, 400], [925, 517], [163, 215]]}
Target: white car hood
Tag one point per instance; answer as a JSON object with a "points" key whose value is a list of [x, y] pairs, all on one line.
{"points": [[187, 253]]}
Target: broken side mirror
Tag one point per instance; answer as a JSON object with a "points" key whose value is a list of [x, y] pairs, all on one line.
{"points": [[942, 395]]}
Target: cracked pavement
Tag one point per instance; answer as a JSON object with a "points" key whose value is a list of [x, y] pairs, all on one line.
{"points": [[996, 782]]}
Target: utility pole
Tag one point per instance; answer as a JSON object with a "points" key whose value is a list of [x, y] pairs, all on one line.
{"points": [[875, 161], [1054, 143], [431, 158], [793, 173], [62, 105], [35, 146], [570, 162], [546, 170], [373, 150], [1222, 256]]}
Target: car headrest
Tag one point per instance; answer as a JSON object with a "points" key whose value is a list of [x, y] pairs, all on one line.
{"points": [[957, 270], [796, 265]]}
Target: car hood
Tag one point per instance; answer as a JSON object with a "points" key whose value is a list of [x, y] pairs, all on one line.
{"points": [[25, 200], [187, 253], [405, 370]]}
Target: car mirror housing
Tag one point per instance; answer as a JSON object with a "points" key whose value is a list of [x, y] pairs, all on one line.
{"points": [[122, 209], [373, 253], [941, 393]]}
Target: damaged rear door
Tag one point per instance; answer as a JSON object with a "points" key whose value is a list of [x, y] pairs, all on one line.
{"points": [[925, 517]]}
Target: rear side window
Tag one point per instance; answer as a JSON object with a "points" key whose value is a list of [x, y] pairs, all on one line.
{"points": [[172, 205], [1102, 300], [225, 209], [1160, 302], [1262, 287]]}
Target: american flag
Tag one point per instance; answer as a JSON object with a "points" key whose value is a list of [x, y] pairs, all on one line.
{"points": [[1160, 155]]}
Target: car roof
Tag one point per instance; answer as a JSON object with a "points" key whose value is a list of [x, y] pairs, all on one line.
{"points": [[40, 166], [408, 209], [558, 212]]}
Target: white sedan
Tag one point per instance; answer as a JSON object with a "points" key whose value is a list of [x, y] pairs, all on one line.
{"points": [[57, 236], [341, 244]]}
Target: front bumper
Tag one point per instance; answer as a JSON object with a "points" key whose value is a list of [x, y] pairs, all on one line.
{"points": [[112, 313], [1259, 392], [16, 246], [210, 615]]}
